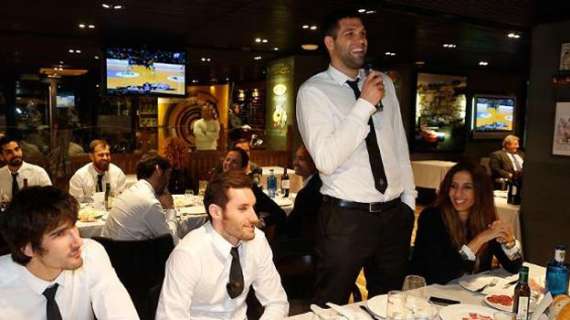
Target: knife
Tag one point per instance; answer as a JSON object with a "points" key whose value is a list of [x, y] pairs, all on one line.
{"points": [[372, 315]]}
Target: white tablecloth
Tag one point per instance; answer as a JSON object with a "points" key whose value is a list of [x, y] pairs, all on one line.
{"points": [[430, 173], [508, 212], [451, 291]]}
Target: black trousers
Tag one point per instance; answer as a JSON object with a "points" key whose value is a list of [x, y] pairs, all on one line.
{"points": [[350, 239]]}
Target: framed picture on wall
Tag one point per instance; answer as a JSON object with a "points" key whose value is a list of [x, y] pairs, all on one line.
{"points": [[565, 57], [440, 113], [561, 140]]}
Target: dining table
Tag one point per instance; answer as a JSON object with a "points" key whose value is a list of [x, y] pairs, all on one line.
{"points": [[429, 173], [190, 212], [454, 290]]}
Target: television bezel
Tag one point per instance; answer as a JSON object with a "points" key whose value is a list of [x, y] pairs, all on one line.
{"points": [[491, 134], [150, 94]]}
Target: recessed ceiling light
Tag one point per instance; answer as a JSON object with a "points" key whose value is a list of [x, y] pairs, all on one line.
{"points": [[514, 35], [449, 45], [82, 25], [483, 63], [257, 58], [194, 81], [420, 63], [257, 40], [310, 46], [77, 51], [313, 27], [96, 57], [71, 51], [275, 49], [264, 40], [60, 61], [389, 53], [106, 6], [91, 26], [371, 12], [305, 26], [117, 7], [96, 86], [361, 10]]}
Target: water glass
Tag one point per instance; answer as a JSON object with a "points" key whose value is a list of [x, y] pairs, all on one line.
{"points": [[202, 184], [416, 284], [396, 305]]}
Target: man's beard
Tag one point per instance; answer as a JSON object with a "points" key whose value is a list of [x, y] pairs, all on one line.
{"points": [[15, 161], [102, 166]]}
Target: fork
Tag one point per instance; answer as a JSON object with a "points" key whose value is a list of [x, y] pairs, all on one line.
{"points": [[491, 284]]}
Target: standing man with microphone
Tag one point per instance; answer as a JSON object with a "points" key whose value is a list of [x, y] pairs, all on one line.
{"points": [[362, 156]]}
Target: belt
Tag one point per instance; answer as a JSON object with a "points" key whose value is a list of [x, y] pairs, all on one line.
{"points": [[370, 207]]}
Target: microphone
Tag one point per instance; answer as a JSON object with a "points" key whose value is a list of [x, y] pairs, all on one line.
{"points": [[367, 69]]}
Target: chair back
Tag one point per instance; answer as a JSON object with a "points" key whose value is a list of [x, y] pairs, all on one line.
{"points": [[485, 164], [139, 265]]}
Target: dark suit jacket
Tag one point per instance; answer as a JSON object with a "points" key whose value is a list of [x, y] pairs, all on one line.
{"points": [[436, 258], [501, 165], [307, 204]]}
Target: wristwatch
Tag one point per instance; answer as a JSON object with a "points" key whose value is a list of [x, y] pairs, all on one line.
{"points": [[511, 244]]}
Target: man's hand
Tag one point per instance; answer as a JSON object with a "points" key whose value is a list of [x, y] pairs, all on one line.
{"points": [[166, 201], [373, 88]]}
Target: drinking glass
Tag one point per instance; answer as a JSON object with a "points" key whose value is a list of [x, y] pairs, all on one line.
{"points": [[396, 305], [202, 184], [415, 284]]}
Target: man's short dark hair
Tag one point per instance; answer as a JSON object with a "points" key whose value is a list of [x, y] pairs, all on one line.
{"points": [[7, 139], [243, 155], [148, 163], [95, 143], [34, 212], [217, 189], [330, 23]]}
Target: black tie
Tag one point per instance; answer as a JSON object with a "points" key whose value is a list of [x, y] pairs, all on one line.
{"points": [[15, 186], [235, 285], [100, 183], [52, 310], [374, 155]]}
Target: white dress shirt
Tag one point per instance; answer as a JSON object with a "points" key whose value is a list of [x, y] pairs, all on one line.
{"points": [[198, 270], [84, 182], [138, 215], [92, 290], [516, 158], [334, 127], [206, 133], [36, 176]]}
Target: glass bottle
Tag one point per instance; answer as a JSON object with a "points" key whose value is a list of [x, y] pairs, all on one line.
{"points": [[522, 296], [271, 184], [108, 199], [557, 273], [285, 183]]}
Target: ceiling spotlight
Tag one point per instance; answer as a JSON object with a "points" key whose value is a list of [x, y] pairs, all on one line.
{"points": [[194, 81], [82, 25], [106, 6], [313, 27], [305, 26], [483, 63], [420, 63], [257, 58], [61, 62], [208, 59], [310, 46], [117, 7], [371, 12], [71, 51], [77, 51], [275, 49], [96, 57], [361, 10], [264, 40], [257, 40], [514, 35], [91, 26], [449, 45], [391, 54]]}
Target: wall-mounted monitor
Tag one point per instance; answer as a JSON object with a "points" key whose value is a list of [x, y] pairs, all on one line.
{"points": [[65, 100], [145, 71], [493, 116]]}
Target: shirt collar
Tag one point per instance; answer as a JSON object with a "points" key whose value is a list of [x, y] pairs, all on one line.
{"points": [[36, 284], [222, 245], [306, 181], [94, 172], [341, 78]]}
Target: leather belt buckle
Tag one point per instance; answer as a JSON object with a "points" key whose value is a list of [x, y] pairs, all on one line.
{"points": [[375, 207]]}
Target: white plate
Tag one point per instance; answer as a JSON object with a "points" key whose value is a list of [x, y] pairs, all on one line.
{"points": [[508, 308], [462, 311], [377, 305], [477, 282]]}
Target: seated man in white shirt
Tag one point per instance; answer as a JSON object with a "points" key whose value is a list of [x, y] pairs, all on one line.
{"points": [[146, 209], [208, 275], [52, 273], [17, 174], [94, 176]]}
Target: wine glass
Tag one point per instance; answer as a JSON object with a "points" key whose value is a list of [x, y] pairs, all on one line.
{"points": [[413, 282]]}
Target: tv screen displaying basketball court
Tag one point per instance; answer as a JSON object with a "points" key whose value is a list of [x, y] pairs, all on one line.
{"points": [[145, 71]]}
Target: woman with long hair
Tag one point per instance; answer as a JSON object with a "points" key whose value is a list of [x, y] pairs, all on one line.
{"points": [[461, 232]]}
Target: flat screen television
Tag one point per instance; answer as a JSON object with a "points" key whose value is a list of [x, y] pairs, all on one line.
{"points": [[493, 116], [65, 100], [145, 71]]}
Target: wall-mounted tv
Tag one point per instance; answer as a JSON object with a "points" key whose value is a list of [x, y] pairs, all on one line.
{"points": [[65, 100], [493, 116], [145, 71]]}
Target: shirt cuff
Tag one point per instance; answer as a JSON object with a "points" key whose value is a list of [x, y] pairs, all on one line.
{"points": [[170, 214], [514, 251], [467, 253], [410, 200], [363, 109]]}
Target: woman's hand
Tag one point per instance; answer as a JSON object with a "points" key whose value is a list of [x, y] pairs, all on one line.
{"points": [[497, 230], [505, 230]]}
